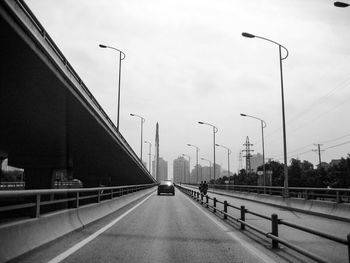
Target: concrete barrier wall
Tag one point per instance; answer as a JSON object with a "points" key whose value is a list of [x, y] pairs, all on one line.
{"points": [[338, 211], [20, 237]]}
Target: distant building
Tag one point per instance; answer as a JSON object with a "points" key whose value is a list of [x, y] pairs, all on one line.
{"points": [[208, 173], [163, 169], [193, 177], [335, 162], [256, 160], [181, 172]]}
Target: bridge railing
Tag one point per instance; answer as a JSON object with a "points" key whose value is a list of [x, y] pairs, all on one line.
{"points": [[33, 203], [337, 195], [212, 203], [20, 4]]}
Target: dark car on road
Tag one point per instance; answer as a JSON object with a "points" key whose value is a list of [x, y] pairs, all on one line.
{"points": [[166, 186]]}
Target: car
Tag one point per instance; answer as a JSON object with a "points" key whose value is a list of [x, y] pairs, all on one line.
{"points": [[166, 186]]}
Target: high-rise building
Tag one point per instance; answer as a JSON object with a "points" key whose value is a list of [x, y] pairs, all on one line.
{"points": [[163, 169], [193, 177], [181, 170], [256, 160]]}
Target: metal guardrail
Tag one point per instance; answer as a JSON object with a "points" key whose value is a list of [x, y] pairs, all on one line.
{"points": [[34, 203], [12, 185], [35, 22], [337, 195], [275, 222]]}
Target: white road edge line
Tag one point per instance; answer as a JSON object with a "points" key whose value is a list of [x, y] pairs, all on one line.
{"points": [[82, 243], [256, 252]]}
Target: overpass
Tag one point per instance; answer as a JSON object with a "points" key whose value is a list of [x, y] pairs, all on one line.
{"points": [[49, 119]]}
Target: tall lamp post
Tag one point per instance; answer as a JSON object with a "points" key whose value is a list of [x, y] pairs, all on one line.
{"points": [[215, 130], [149, 156], [286, 194], [142, 121], [228, 159], [189, 163], [209, 168], [121, 57], [263, 125], [197, 150]]}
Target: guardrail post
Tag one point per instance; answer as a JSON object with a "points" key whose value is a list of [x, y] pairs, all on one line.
{"points": [[214, 200], [77, 200], [207, 200], [348, 237], [274, 229], [225, 209], [306, 195], [242, 216], [337, 197], [98, 196], [37, 206]]}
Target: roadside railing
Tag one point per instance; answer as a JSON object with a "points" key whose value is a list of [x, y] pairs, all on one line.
{"points": [[211, 203], [34, 203], [337, 195]]}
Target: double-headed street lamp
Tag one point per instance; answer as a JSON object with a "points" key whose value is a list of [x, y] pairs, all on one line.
{"points": [[189, 163], [121, 57], [209, 168], [228, 159], [341, 4], [142, 121], [263, 125], [215, 130], [286, 194], [149, 156], [197, 150]]}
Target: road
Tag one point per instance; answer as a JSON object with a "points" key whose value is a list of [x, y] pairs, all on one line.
{"points": [[156, 229], [330, 250]]}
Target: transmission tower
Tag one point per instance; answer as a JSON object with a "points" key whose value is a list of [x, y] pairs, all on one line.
{"points": [[247, 155]]}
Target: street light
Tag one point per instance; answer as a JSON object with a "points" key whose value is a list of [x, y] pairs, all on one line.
{"points": [[197, 150], [285, 168], [215, 130], [149, 156], [341, 4], [189, 163], [228, 159], [142, 121], [209, 168], [263, 125], [121, 57]]}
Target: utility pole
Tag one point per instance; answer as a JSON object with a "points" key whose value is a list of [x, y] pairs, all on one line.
{"points": [[247, 150], [319, 152]]}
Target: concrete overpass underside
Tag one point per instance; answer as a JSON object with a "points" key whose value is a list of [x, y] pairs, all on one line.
{"points": [[47, 121]]}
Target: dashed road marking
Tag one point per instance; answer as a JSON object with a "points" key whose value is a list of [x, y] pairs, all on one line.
{"points": [[82, 243]]}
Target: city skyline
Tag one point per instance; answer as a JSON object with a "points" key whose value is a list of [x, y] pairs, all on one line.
{"points": [[193, 65]]}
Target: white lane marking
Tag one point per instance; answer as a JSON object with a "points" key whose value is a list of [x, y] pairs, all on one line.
{"points": [[82, 243], [250, 248]]}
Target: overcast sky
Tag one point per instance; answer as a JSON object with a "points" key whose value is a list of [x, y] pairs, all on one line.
{"points": [[186, 61]]}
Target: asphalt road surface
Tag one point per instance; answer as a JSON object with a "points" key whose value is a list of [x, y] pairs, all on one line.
{"points": [[156, 229]]}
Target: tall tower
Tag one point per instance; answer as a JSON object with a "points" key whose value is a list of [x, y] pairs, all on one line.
{"points": [[157, 175], [247, 155]]}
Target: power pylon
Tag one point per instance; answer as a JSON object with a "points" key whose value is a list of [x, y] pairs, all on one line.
{"points": [[247, 156]]}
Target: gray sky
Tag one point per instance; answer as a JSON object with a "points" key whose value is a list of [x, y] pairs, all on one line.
{"points": [[186, 61]]}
